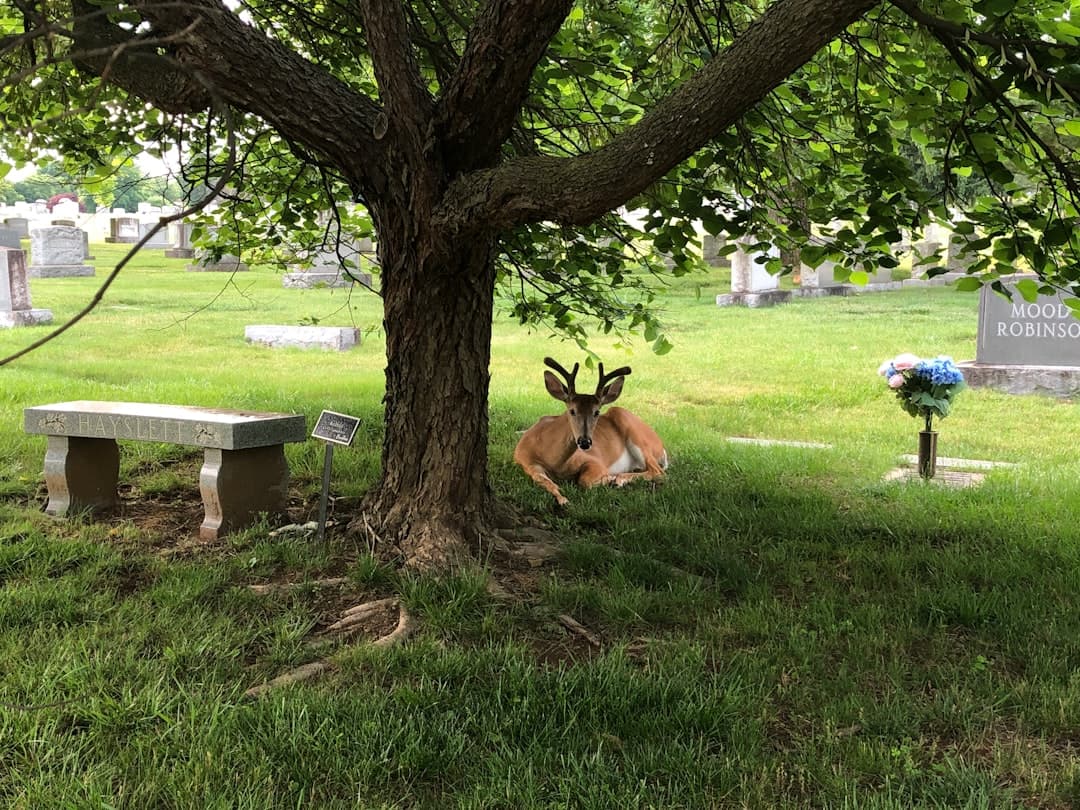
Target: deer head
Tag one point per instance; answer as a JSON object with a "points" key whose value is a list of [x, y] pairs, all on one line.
{"points": [[583, 410]]}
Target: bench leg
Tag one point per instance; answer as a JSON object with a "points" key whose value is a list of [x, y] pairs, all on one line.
{"points": [[237, 485], [81, 474]]}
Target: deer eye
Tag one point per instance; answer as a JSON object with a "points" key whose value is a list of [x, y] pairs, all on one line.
{"points": [[596, 413], [573, 412]]}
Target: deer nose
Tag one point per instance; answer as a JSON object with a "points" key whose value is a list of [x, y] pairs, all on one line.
{"points": [[584, 442]]}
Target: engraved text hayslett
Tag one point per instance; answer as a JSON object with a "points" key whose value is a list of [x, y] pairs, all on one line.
{"points": [[145, 428]]}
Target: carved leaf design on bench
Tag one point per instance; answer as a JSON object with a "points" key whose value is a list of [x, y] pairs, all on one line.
{"points": [[204, 434], [53, 423]]}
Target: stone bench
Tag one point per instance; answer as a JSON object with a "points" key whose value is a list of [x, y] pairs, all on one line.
{"points": [[244, 469]]}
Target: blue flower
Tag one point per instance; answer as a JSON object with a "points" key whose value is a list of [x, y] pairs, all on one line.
{"points": [[940, 371]]}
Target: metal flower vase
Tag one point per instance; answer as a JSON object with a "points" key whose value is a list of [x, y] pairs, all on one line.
{"points": [[927, 453]]}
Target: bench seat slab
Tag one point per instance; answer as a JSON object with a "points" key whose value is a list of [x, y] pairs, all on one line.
{"points": [[175, 424]]}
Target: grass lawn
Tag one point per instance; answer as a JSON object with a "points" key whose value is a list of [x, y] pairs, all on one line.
{"points": [[774, 626]]}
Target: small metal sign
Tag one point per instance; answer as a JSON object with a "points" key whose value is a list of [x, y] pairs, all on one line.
{"points": [[339, 428], [333, 428]]}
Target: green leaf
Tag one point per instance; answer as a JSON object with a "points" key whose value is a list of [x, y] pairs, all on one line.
{"points": [[1028, 289], [859, 277], [958, 89], [1072, 127], [968, 284]]}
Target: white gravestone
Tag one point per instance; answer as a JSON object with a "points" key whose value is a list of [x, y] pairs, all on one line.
{"points": [[66, 209], [20, 225], [58, 252], [815, 282], [123, 230], [328, 338], [15, 307], [324, 268], [179, 241], [159, 240], [204, 263], [751, 284], [710, 251]]}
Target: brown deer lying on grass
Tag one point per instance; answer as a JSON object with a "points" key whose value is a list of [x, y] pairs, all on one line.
{"points": [[585, 445]]}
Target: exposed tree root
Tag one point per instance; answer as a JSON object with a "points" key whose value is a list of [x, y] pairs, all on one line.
{"points": [[401, 632], [578, 629], [349, 623], [353, 618], [697, 579], [529, 546], [304, 672], [498, 591]]}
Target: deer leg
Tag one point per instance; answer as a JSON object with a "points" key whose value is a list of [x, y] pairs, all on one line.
{"points": [[540, 476], [652, 471], [592, 475]]}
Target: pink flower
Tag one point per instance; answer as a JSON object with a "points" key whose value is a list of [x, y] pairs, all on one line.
{"points": [[902, 362], [896, 380]]}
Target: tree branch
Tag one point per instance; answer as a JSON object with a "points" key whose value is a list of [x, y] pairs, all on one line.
{"points": [[580, 189], [101, 47], [249, 71], [482, 100], [408, 103]]}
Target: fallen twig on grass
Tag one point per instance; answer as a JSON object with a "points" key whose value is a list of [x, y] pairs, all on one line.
{"points": [[578, 629]]}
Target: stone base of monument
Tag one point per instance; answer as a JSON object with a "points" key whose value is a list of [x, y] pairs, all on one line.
{"points": [[224, 266], [1055, 381], [121, 240], [25, 317], [179, 253], [879, 286], [753, 300], [327, 338], [315, 279], [59, 270], [825, 292]]}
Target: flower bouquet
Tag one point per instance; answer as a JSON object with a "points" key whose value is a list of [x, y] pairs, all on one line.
{"points": [[924, 388]]}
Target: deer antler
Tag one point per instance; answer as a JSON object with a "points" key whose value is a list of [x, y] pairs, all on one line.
{"points": [[607, 378], [568, 376]]}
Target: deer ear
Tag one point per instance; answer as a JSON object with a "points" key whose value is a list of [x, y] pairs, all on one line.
{"points": [[555, 388], [611, 393]]}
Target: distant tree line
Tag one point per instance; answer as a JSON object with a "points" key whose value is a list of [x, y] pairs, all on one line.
{"points": [[123, 187]]}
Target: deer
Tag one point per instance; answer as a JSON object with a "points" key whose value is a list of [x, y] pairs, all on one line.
{"points": [[584, 445]]}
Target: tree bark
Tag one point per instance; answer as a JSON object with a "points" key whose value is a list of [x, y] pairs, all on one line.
{"points": [[433, 499]]}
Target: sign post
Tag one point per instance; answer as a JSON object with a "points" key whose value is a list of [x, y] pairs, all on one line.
{"points": [[333, 428]]}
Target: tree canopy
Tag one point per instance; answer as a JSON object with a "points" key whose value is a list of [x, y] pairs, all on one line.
{"points": [[491, 143]]}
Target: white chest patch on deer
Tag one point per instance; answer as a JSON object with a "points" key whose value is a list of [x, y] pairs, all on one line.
{"points": [[631, 460]]}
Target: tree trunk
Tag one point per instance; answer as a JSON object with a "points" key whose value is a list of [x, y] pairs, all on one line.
{"points": [[433, 498]]}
